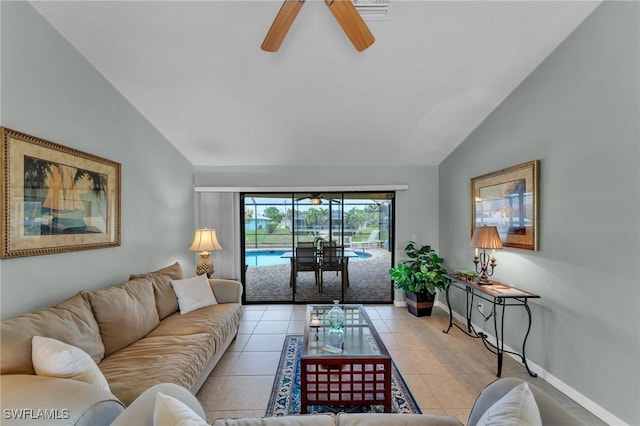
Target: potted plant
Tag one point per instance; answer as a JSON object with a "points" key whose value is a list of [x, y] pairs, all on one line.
{"points": [[420, 276]]}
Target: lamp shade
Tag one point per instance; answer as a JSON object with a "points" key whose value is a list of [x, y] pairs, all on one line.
{"points": [[205, 240], [486, 237]]}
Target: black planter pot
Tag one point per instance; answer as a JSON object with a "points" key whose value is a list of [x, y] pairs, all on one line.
{"points": [[419, 304]]}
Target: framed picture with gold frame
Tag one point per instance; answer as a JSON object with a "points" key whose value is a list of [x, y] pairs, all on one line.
{"points": [[509, 200], [56, 199]]}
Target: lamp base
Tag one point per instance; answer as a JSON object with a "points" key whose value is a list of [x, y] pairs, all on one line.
{"points": [[205, 265]]}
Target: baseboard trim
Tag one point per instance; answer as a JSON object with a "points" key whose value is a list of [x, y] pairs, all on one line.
{"points": [[401, 304], [578, 397]]}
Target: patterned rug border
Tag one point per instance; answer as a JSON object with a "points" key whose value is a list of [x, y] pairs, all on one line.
{"points": [[281, 401]]}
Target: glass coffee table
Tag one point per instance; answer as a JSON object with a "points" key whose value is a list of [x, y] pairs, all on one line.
{"points": [[352, 369]]}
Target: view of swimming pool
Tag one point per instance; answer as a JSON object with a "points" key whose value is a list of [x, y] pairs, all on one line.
{"points": [[272, 257]]}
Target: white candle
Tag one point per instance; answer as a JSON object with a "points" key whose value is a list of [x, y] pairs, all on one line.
{"points": [[476, 251], [315, 321]]}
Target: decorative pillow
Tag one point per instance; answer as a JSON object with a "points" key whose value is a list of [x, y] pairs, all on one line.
{"points": [[170, 411], [193, 293], [54, 358], [517, 408]]}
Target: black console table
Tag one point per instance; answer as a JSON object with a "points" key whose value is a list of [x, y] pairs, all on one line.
{"points": [[499, 295]]}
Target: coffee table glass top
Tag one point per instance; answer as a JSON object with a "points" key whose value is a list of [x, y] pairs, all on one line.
{"points": [[358, 338]]}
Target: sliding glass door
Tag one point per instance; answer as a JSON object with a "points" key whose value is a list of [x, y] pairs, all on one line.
{"points": [[317, 247]]}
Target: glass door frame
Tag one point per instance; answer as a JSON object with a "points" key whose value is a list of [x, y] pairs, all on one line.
{"points": [[295, 198]]}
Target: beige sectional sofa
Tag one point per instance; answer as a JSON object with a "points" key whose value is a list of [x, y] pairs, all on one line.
{"points": [[551, 413], [136, 335]]}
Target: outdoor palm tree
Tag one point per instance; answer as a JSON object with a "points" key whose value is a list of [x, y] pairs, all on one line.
{"points": [[354, 218], [312, 216]]}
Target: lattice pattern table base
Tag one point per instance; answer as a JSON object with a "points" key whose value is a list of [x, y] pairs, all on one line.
{"points": [[345, 381]]}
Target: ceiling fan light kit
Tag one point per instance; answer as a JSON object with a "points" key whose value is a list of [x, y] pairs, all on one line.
{"points": [[343, 11]]}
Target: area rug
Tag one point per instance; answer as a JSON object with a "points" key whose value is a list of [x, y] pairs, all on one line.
{"points": [[285, 395]]}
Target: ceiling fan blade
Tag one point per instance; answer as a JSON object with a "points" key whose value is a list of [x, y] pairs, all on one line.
{"points": [[281, 24], [352, 23]]}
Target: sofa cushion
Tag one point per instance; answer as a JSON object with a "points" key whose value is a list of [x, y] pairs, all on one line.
{"points": [[124, 313], [364, 419], [53, 358], [159, 359], [166, 300], [193, 293], [70, 321], [324, 419], [220, 321]]}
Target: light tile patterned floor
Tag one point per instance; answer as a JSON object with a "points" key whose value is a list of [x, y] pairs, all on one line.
{"points": [[445, 372]]}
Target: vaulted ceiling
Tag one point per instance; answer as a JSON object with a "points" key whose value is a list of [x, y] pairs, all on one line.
{"points": [[195, 70]]}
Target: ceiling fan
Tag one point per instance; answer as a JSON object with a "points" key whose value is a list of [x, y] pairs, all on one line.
{"points": [[343, 10], [316, 199]]}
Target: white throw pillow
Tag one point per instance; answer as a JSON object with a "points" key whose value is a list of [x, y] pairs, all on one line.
{"points": [[54, 358], [517, 408], [193, 293], [169, 411]]}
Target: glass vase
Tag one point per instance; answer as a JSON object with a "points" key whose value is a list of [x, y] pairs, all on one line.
{"points": [[336, 316], [335, 337]]}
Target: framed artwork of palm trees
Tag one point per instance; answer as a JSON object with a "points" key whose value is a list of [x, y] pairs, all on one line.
{"points": [[56, 199]]}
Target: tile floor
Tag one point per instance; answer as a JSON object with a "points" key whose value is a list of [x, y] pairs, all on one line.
{"points": [[445, 372]]}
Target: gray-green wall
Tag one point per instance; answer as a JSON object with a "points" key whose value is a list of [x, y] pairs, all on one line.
{"points": [[49, 91], [579, 114], [416, 208]]}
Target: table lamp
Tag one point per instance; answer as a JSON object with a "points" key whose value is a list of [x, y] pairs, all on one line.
{"points": [[485, 237], [204, 241]]}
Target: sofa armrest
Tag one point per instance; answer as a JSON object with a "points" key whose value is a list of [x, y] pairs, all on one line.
{"points": [[226, 291], [551, 412], [140, 411], [29, 399]]}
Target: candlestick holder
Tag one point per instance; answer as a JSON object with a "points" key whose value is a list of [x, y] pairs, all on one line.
{"points": [[315, 323]]}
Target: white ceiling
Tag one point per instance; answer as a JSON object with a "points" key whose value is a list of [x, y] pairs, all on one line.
{"points": [[195, 70]]}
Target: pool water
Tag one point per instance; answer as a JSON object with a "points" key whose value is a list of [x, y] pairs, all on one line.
{"points": [[272, 257]]}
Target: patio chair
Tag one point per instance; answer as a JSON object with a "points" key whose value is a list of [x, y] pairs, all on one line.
{"points": [[332, 260], [306, 260], [369, 242]]}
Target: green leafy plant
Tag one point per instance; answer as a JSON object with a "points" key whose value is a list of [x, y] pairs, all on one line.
{"points": [[422, 272]]}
